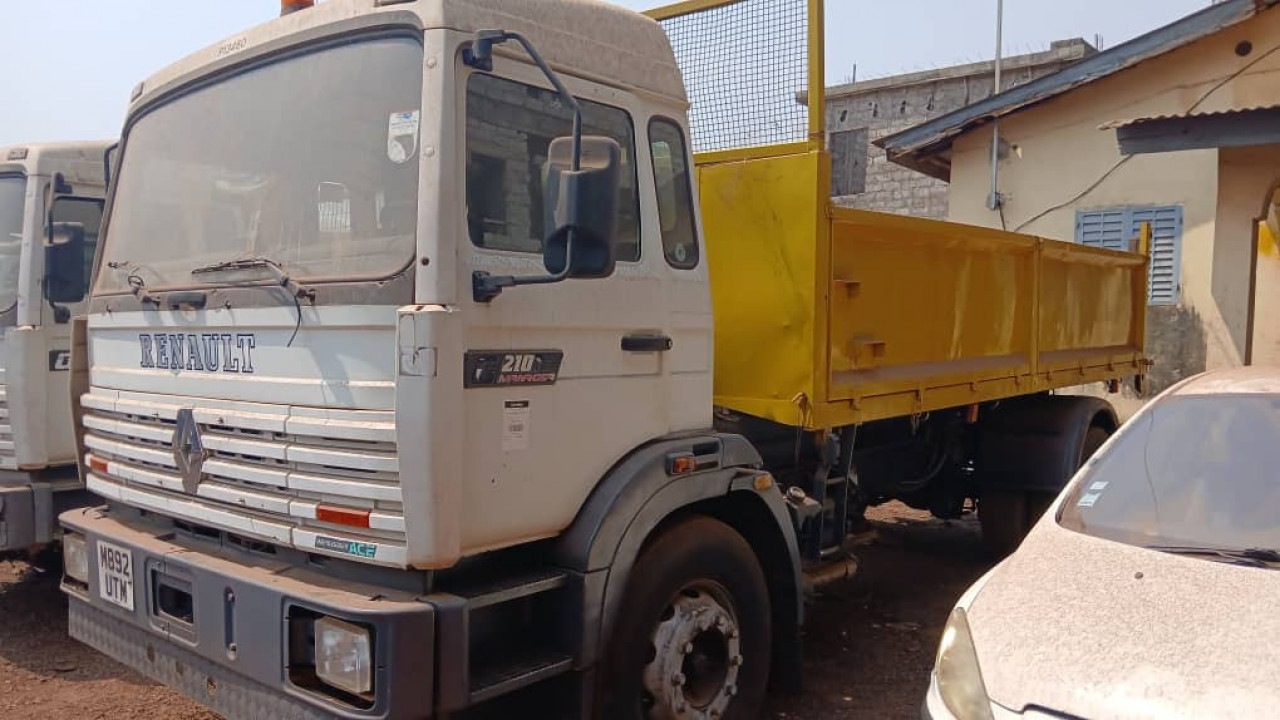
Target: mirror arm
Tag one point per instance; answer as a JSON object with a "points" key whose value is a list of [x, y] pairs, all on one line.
{"points": [[486, 287]]}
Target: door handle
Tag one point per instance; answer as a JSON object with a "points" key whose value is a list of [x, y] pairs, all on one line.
{"points": [[646, 343]]}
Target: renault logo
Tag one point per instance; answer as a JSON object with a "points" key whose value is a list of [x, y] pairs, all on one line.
{"points": [[188, 450]]}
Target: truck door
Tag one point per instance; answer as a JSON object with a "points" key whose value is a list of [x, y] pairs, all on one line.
{"points": [[54, 361], [552, 398]]}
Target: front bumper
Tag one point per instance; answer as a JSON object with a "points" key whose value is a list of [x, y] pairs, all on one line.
{"points": [[242, 648], [29, 511]]}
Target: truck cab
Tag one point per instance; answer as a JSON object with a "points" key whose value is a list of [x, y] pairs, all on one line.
{"points": [[43, 283]]}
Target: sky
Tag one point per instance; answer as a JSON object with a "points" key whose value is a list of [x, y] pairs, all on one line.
{"points": [[67, 67]]}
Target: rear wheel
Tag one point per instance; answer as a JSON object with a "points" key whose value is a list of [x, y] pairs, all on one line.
{"points": [[1007, 515], [692, 639]]}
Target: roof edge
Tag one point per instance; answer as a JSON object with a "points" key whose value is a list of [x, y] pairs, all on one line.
{"points": [[930, 137]]}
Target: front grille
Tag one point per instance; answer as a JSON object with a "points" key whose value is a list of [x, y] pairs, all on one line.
{"points": [[267, 468], [8, 456]]}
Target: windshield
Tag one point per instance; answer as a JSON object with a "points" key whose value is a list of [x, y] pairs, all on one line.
{"points": [[13, 190], [1192, 471], [310, 161]]}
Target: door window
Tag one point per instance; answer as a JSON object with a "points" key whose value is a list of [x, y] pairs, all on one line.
{"points": [[675, 194], [88, 213], [509, 127]]}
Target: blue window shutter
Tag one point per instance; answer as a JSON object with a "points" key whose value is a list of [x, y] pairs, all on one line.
{"points": [[1115, 228], [1165, 281], [1102, 228]]}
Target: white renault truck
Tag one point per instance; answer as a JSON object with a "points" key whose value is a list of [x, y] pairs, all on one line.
{"points": [[48, 193], [450, 357]]}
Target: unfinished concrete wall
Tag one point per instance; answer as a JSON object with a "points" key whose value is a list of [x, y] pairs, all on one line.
{"points": [[860, 113]]}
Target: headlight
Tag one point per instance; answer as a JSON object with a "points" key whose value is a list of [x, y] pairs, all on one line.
{"points": [[75, 557], [958, 676], [343, 657]]}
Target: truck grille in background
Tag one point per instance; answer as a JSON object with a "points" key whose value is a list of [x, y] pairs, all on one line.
{"points": [[8, 457], [267, 468]]}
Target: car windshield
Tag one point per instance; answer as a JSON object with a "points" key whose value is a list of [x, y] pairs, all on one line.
{"points": [[12, 198], [1196, 471], [309, 161]]}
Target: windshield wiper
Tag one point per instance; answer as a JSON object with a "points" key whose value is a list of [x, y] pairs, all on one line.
{"points": [[298, 290], [1257, 557]]}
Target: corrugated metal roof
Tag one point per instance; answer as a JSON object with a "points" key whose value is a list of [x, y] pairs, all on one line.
{"points": [[1117, 124], [925, 146]]}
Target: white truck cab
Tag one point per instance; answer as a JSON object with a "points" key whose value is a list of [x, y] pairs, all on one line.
{"points": [[296, 369], [42, 187]]}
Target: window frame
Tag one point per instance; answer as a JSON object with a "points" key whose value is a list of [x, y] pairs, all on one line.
{"points": [[691, 199], [503, 72]]}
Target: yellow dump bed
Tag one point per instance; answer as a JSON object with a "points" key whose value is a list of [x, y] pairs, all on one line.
{"points": [[827, 316]]}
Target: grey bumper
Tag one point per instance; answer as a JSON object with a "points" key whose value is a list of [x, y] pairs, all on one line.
{"points": [[29, 512], [239, 650]]}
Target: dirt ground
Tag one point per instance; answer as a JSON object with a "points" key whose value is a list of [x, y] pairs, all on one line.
{"points": [[868, 648]]}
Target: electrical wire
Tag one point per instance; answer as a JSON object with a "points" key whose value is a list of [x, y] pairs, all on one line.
{"points": [[1124, 160]]}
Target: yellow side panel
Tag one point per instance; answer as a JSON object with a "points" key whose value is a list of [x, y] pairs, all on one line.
{"points": [[1088, 305], [761, 220], [917, 301], [927, 315]]}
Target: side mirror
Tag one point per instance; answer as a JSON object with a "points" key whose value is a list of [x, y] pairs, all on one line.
{"points": [[580, 192], [64, 276], [581, 207]]}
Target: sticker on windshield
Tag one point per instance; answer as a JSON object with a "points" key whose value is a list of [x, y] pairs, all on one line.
{"points": [[1088, 500], [402, 136]]}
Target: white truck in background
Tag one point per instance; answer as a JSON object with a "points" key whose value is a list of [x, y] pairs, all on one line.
{"points": [[51, 198]]}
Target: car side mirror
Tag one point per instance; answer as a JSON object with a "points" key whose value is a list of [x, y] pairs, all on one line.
{"points": [[581, 207], [64, 272]]}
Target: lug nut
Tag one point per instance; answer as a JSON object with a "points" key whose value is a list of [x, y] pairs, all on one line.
{"points": [[688, 648], [677, 679], [733, 633], [730, 690], [736, 660]]}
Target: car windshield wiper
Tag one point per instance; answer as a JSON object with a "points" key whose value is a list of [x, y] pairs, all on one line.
{"points": [[1257, 557], [298, 290]]}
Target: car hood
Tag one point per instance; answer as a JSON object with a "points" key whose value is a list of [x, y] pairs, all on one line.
{"points": [[1100, 629]]}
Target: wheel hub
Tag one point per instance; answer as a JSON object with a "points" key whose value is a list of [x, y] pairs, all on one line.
{"points": [[697, 654]]}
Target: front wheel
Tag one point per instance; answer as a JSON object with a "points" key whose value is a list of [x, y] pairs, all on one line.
{"points": [[692, 639]]}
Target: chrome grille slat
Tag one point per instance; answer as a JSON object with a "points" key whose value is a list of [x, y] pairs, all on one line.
{"points": [[8, 451], [265, 470]]}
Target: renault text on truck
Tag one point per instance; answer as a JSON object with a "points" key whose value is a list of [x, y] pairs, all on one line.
{"points": [[429, 369], [50, 209]]}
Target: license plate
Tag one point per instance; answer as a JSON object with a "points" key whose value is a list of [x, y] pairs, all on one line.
{"points": [[115, 574]]}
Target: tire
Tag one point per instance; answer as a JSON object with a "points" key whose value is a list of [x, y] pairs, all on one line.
{"points": [[1003, 515], [692, 568], [1007, 516], [1093, 440]]}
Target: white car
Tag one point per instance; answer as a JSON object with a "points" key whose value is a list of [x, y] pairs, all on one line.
{"points": [[1149, 589]]}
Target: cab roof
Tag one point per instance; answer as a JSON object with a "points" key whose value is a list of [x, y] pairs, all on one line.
{"points": [[586, 38], [80, 162]]}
